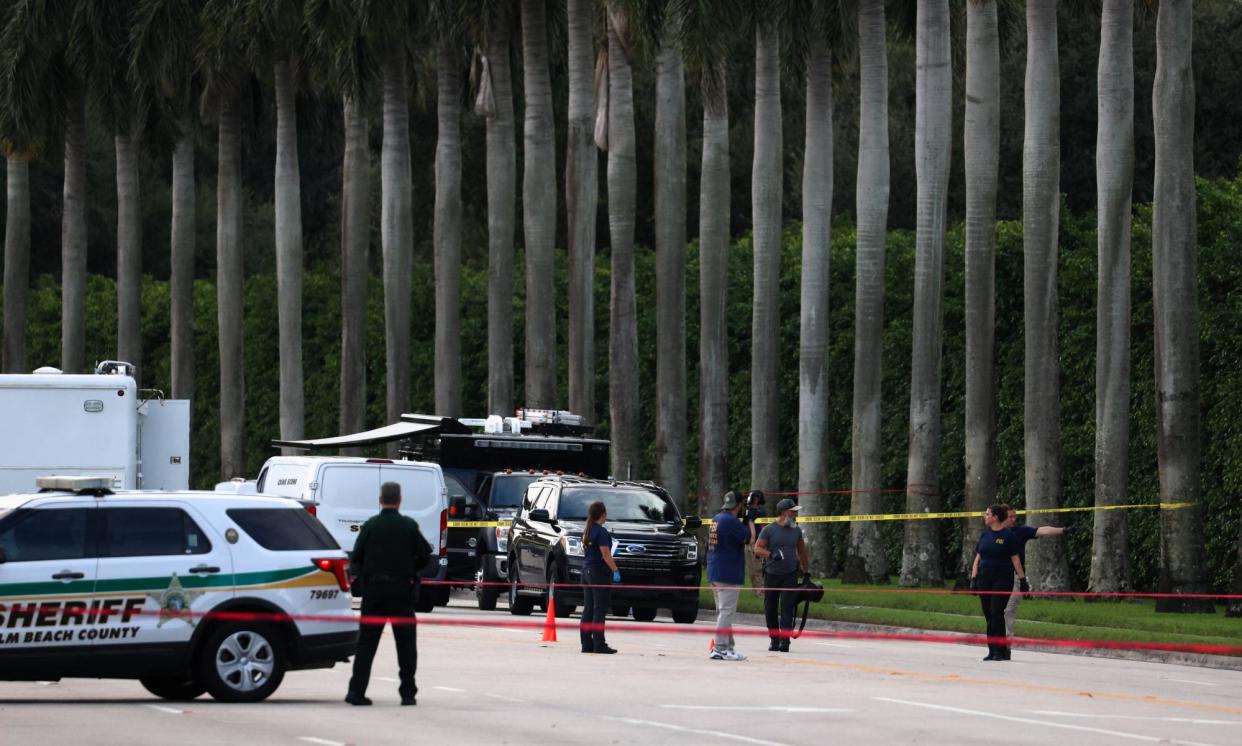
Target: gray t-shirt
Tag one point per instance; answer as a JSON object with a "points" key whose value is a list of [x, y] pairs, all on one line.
{"points": [[786, 540]]}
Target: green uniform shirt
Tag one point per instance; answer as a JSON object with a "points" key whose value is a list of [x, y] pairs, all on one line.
{"points": [[390, 544]]}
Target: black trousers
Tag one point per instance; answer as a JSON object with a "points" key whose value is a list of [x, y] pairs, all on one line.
{"points": [[779, 605], [994, 605], [596, 597], [387, 600]]}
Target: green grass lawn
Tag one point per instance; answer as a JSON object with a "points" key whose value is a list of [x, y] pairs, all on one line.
{"points": [[1073, 620]]}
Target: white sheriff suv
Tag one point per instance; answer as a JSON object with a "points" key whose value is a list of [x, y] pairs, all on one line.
{"points": [[185, 591]]}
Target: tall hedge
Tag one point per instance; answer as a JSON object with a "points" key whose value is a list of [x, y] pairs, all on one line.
{"points": [[1220, 236]]}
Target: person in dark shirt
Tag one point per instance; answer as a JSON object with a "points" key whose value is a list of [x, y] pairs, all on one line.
{"points": [[782, 548], [599, 571], [726, 570], [388, 555], [1023, 534], [992, 575]]}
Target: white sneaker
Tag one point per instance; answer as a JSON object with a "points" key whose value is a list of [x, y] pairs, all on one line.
{"points": [[733, 655], [719, 655]]}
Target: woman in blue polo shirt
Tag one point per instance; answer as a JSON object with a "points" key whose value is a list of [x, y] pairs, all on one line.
{"points": [[996, 562], [599, 571]]}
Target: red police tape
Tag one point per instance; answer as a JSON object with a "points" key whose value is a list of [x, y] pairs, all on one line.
{"points": [[738, 630]]}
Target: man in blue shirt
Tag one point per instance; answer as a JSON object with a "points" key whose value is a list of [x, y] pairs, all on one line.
{"points": [[1021, 535], [726, 570]]}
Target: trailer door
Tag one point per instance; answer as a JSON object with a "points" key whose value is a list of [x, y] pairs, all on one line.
{"points": [[164, 444]]}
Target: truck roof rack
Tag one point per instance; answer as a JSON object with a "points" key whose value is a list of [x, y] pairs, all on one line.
{"points": [[81, 485]]}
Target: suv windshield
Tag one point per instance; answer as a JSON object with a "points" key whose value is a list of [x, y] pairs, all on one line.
{"points": [[624, 504], [507, 490]]}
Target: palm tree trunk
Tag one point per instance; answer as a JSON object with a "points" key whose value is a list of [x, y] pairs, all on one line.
{"points": [[866, 558], [396, 232], [1176, 305], [128, 252], [920, 557], [355, 240], [16, 265], [229, 291], [813, 321], [713, 290], [982, 154], [288, 198], [539, 208], [670, 234], [1114, 165], [1041, 178], [581, 197], [623, 393], [73, 237], [181, 274], [446, 232], [501, 223], [766, 178]]}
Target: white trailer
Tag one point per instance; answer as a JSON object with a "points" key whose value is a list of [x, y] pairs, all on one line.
{"points": [[96, 425]]}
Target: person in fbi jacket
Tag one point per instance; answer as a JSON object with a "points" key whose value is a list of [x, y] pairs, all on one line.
{"points": [[996, 564], [388, 555]]}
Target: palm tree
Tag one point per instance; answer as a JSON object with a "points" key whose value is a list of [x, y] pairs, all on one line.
{"points": [[446, 228], [343, 64], [1176, 308], [982, 155], [706, 36], [495, 102], [539, 207], [1041, 177], [670, 235], [920, 558], [813, 318], [223, 58], [766, 196], [73, 233], [581, 198], [396, 217], [1114, 164], [16, 264], [866, 559], [162, 39], [623, 393]]}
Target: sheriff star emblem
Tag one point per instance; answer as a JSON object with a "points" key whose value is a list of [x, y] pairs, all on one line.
{"points": [[175, 602]]}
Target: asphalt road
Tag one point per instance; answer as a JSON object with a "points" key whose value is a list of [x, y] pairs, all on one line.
{"points": [[500, 684]]}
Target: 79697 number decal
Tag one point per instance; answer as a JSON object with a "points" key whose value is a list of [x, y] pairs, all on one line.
{"points": [[323, 595]]}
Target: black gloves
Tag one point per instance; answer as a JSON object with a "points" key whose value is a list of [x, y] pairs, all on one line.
{"points": [[974, 584], [1070, 529], [1023, 585]]}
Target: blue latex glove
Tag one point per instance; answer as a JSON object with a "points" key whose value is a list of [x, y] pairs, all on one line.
{"points": [[616, 576]]}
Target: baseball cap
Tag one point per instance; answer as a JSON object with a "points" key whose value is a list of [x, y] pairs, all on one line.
{"points": [[731, 500], [787, 504]]}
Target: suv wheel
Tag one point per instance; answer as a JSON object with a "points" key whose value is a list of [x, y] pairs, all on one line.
{"points": [[518, 605], [685, 616], [644, 614], [242, 662], [485, 592], [426, 602], [175, 688]]}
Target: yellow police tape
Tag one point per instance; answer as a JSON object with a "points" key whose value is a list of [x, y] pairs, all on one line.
{"points": [[477, 524], [966, 514]]}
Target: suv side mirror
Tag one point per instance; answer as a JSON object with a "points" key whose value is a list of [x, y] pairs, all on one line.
{"points": [[693, 523], [539, 516]]}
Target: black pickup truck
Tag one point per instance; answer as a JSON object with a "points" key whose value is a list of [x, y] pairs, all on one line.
{"points": [[653, 546]]}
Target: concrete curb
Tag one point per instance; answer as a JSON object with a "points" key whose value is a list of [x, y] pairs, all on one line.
{"points": [[1150, 656]]}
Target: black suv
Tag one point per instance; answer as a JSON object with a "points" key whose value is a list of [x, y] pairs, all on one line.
{"points": [[653, 546]]}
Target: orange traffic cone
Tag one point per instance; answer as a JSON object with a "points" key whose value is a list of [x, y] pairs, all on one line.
{"points": [[711, 645], [549, 625]]}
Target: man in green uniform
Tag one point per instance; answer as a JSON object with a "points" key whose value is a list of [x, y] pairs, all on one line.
{"points": [[387, 557]]}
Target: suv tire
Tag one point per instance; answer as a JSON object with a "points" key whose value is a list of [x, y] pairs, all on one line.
{"points": [[173, 688], [426, 602], [685, 616], [519, 605], [644, 614], [242, 662], [484, 591]]}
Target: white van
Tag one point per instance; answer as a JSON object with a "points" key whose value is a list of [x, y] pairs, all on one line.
{"points": [[344, 492]]}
